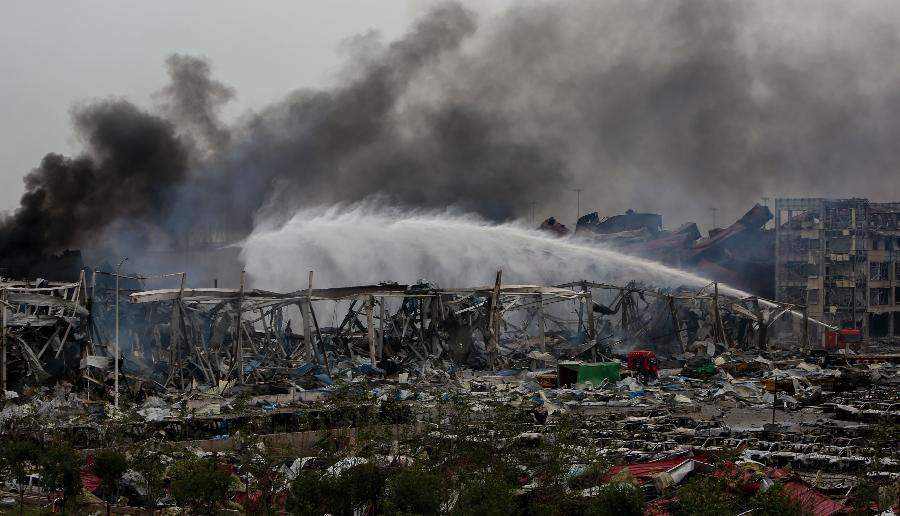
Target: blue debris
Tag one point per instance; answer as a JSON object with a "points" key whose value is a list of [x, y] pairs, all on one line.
{"points": [[672, 387], [509, 372], [308, 368], [368, 370], [324, 378], [635, 394]]}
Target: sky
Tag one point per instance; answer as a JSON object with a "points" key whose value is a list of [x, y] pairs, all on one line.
{"points": [[57, 54], [720, 103]]}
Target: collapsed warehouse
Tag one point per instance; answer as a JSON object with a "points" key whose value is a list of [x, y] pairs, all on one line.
{"points": [[659, 377], [722, 367], [175, 338], [741, 255]]}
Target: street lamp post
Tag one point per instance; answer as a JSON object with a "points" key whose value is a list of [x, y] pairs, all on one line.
{"points": [[116, 367], [578, 204]]}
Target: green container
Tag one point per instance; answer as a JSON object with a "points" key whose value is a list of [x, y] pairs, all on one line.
{"points": [[708, 367], [596, 373]]}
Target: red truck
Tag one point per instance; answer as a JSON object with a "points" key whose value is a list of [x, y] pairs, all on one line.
{"points": [[843, 338], [644, 364]]}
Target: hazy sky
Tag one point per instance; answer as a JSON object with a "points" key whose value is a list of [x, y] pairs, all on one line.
{"points": [[719, 103], [55, 54]]}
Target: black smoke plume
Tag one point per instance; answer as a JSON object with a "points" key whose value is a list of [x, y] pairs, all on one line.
{"points": [[193, 100], [672, 107], [131, 161]]}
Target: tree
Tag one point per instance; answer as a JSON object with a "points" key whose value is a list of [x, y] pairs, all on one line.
{"points": [[19, 457], [703, 496], [777, 502], [359, 486], [487, 496], [313, 493], [413, 491], [148, 460], [61, 469], [364, 485], [200, 485], [109, 466], [258, 473], [619, 498]]}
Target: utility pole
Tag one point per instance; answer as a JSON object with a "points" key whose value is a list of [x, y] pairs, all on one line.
{"points": [[774, 397], [3, 297], [118, 349], [714, 210], [765, 201], [370, 329], [532, 203], [578, 204], [239, 330], [307, 323]]}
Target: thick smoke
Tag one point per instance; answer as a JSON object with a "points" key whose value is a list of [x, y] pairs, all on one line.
{"points": [[193, 100], [310, 147], [672, 107], [131, 161]]}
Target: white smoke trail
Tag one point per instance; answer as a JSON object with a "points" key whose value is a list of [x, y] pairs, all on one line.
{"points": [[367, 243]]}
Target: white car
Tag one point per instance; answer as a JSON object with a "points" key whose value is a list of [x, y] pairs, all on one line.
{"points": [[33, 485]]}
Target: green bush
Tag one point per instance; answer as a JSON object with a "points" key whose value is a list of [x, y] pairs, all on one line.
{"points": [[617, 498], [590, 477], [109, 465], [487, 496], [18, 457], [777, 502], [364, 485], [200, 484], [313, 492], [413, 491], [61, 469], [703, 496]]}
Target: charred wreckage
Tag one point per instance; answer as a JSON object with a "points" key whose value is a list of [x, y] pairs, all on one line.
{"points": [[661, 378]]}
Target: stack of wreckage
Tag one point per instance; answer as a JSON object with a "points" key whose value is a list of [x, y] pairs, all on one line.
{"points": [[183, 337], [201, 365], [741, 255]]}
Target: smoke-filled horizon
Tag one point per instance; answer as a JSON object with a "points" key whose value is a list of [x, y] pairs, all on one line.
{"points": [[669, 107]]}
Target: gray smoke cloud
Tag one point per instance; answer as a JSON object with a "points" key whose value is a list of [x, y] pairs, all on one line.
{"points": [[130, 162], [665, 106], [194, 101], [672, 107]]}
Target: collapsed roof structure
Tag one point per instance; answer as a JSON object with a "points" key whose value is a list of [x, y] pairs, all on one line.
{"points": [[741, 255], [182, 337]]}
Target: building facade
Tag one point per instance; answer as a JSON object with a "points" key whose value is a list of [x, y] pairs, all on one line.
{"points": [[840, 258]]}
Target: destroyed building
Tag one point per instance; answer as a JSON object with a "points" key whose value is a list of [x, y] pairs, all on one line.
{"points": [[839, 257], [741, 255]]}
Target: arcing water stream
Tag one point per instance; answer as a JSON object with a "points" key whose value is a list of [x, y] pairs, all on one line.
{"points": [[365, 244]]}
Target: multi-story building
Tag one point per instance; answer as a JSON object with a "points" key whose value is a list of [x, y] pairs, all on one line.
{"points": [[840, 258]]}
